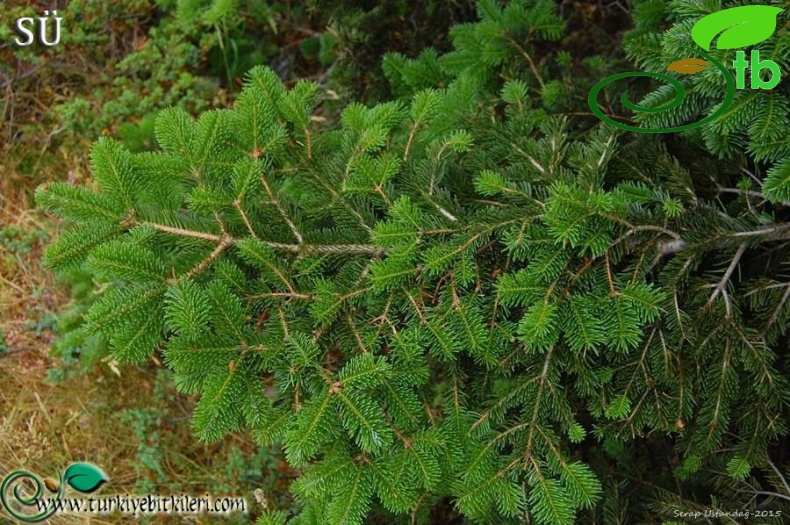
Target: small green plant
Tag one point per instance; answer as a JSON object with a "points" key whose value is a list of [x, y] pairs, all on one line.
{"points": [[20, 240], [144, 425]]}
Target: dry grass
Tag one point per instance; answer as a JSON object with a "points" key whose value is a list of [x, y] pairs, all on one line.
{"points": [[26, 289], [43, 428]]}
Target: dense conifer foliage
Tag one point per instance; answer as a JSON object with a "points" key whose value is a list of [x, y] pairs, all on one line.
{"points": [[474, 294]]}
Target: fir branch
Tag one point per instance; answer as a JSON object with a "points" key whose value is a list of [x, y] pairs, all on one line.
{"points": [[360, 249], [410, 140], [543, 377], [531, 62], [646, 227], [730, 269], [237, 205], [187, 233], [779, 475], [777, 311], [221, 247], [776, 232], [274, 200], [286, 295]]}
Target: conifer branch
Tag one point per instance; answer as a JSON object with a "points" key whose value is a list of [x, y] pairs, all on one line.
{"points": [[246, 219], [779, 475], [380, 190], [531, 63], [287, 295], [412, 133], [443, 211], [328, 187], [355, 332], [536, 406], [489, 335], [221, 247], [776, 232], [284, 322], [777, 311], [187, 233], [417, 308], [739, 191], [748, 193], [360, 249], [668, 248], [646, 227], [726, 277], [382, 319], [634, 412], [550, 442], [309, 139], [769, 493], [609, 278], [353, 249], [274, 200], [766, 287], [416, 508], [406, 441]]}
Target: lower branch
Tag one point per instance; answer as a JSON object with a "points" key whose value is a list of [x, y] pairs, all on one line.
{"points": [[726, 278], [225, 241]]}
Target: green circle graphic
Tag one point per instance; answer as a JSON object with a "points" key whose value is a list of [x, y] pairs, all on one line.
{"points": [[680, 94], [30, 501]]}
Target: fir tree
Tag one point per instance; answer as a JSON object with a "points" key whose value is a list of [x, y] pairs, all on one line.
{"points": [[456, 295]]}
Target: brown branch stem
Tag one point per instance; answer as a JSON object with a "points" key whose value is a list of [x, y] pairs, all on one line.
{"points": [[362, 249]]}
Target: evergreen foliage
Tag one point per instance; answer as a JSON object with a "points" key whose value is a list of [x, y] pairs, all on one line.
{"points": [[461, 295]]}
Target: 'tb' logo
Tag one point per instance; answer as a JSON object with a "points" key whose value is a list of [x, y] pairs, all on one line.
{"points": [[732, 28]]}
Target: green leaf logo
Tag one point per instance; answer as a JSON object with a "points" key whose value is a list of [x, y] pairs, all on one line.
{"points": [[738, 27], [84, 477]]}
